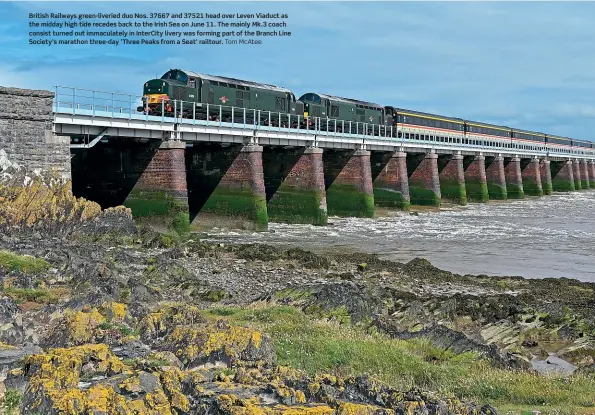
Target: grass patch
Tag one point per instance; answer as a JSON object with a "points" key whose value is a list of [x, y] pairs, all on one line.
{"points": [[40, 296], [323, 346], [23, 263], [11, 401]]}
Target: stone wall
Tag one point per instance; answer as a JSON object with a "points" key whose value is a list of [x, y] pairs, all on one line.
{"points": [[26, 131]]}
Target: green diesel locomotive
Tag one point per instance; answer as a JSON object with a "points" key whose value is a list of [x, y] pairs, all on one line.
{"points": [[188, 94], [346, 113]]}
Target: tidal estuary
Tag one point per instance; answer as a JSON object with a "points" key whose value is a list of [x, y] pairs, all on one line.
{"points": [[553, 236]]}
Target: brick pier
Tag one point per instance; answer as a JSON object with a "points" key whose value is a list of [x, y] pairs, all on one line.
{"points": [[562, 176], [349, 190], [585, 179], [452, 179], [239, 199], [496, 179], [514, 178], [391, 185], [160, 195], [546, 176], [475, 179], [424, 180], [301, 197], [576, 170], [532, 178]]}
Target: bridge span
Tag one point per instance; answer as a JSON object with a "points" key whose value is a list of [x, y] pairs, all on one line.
{"points": [[260, 167]]}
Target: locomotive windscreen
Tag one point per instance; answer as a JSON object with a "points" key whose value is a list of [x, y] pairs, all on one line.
{"points": [[176, 75]]}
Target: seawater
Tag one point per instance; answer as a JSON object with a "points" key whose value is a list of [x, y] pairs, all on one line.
{"points": [[552, 236]]}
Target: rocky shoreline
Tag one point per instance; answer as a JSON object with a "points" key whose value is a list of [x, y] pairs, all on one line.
{"points": [[100, 316], [91, 304]]}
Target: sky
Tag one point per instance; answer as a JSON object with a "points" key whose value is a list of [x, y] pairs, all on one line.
{"points": [[527, 65]]}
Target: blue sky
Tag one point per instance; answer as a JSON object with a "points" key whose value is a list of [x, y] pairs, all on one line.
{"points": [[528, 65]]}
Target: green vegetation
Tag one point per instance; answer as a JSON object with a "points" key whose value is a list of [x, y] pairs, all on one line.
{"points": [[11, 401], [497, 192], [160, 206], [294, 205], [390, 199], [348, 200], [22, 263], [422, 196], [515, 191], [561, 185], [532, 188], [327, 346], [40, 296], [453, 191], [477, 191], [238, 203]]}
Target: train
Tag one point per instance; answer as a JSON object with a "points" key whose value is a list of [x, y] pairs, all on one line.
{"points": [[188, 94]]}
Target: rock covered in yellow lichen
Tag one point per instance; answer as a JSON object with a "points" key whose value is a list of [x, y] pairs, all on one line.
{"points": [[183, 331], [57, 385], [61, 368], [38, 202], [159, 323], [348, 408], [211, 342], [114, 311], [106, 324]]}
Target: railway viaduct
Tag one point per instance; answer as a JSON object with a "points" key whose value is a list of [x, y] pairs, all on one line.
{"points": [[190, 173]]}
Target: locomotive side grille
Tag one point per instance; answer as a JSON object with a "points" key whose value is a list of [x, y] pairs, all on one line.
{"points": [[179, 92]]}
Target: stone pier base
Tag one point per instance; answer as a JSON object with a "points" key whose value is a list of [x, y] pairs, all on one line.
{"points": [[452, 179], [576, 170], [351, 193], [391, 185], [424, 180], [239, 200], [562, 176], [592, 174], [496, 179], [475, 179], [514, 178], [160, 195], [585, 179], [532, 178], [546, 176], [301, 197]]}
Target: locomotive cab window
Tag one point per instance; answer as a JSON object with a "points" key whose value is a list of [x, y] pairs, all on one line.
{"points": [[176, 75], [192, 83]]}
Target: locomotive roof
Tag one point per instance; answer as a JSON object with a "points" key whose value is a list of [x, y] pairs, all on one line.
{"points": [[236, 81], [349, 101]]}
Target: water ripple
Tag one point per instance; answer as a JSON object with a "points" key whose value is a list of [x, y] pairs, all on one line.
{"points": [[553, 236]]}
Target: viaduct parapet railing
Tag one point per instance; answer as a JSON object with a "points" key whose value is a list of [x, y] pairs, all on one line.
{"points": [[88, 114]]}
